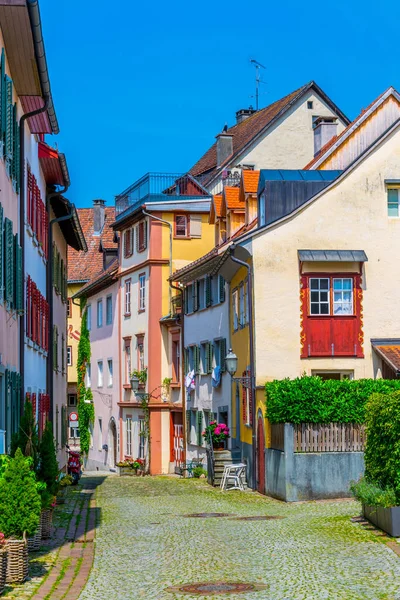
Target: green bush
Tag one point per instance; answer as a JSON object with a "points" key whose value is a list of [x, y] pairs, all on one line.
{"points": [[197, 471], [27, 436], [314, 400], [371, 494], [382, 452], [48, 466], [19, 499]]}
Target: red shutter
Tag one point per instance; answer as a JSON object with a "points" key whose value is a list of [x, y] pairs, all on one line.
{"points": [[142, 237], [34, 404], [250, 400], [244, 400], [128, 243], [28, 307], [29, 198]]}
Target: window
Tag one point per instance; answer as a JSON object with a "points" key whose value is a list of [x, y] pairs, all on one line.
{"points": [[201, 294], [242, 306], [142, 291], [74, 433], [140, 352], [206, 357], [343, 296], [128, 242], [100, 424], [235, 309], [319, 296], [246, 403], [129, 435], [189, 298], [99, 313], [127, 297], [393, 202], [338, 375], [69, 308], [262, 218], [220, 353], [69, 356], [110, 372], [128, 369], [181, 226], [99, 373], [176, 359], [89, 317], [88, 375], [71, 399], [142, 438], [36, 213], [109, 310], [37, 313], [310, 104], [141, 236]]}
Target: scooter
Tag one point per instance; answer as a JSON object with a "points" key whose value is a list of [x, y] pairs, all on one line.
{"points": [[74, 465]]}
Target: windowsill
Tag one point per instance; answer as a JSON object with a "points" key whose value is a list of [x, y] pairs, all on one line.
{"points": [[331, 317], [99, 387], [182, 237], [175, 384], [127, 315], [126, 386], [110, 386], [142, 310]]}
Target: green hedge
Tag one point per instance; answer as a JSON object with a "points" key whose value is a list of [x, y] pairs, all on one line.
{"points": [[382, 452], [313, 400]]}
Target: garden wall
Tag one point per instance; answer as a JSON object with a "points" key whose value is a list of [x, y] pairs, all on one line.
{"points": [[294, 476]]}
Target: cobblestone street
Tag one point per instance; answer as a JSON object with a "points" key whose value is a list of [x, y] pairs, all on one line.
{"points": [[145, 544]]}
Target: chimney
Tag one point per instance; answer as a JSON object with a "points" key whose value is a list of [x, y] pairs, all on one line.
{"points": [[99, 210], [243, 114], [325, 128], [224, 147]]}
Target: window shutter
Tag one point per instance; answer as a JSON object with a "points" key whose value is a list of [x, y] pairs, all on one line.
{"points": [[185, 300], [195, 226], [250, 401], [62, 279], [16, 165], [9, 121], [9, 261], [186, 361], [199, 427], [221, 282], [195, 295], [222, 349], [54, 265], [28, 307], [3, 97], [208, 290], [209, 356], [244, 401], [18, 275], [55, 353], [1, 252], [188, 428]]}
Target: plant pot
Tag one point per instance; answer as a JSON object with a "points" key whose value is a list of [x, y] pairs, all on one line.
{"points": [[125, 471], [387, 519], [3, 569], [46, 519], [34, 542], [17, 561], [219, 446], [61, 495]]}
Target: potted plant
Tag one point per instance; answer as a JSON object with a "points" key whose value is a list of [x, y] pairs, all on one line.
{"points": [[218, 432], [3, 562], [138, 466], [19, 514], [141, 376], [125, 467], [166, 387], [64, 482]]}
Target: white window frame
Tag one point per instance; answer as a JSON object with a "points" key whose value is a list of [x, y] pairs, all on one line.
{"points": [[109, 302], [100, 373], [128, 297], [392, 203], [186, 226], [69, 356], [88, 375], [201, 293], [142, 291], [100, 429], [100, 313], [235, 309], [319, 291], [142, 441], [343, 291], [89, 317], [128, 436], [110, 371]]}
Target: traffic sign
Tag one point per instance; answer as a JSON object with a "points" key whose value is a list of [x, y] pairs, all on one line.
{"points": [[73, 416]]}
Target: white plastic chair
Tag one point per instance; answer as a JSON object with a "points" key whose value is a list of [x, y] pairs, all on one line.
{"points": [[233, 474]]}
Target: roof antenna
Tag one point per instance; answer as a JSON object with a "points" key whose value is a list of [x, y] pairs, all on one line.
{"points": [[258, 66]]}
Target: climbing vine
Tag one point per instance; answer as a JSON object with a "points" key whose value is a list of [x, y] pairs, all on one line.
{"points": [[85, 396]]}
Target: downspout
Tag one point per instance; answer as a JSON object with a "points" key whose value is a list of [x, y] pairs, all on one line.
{"points": [[252, 373], [183, 374], [22, 322]]}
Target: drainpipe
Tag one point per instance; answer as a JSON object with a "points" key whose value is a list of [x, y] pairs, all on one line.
{"points": [[170, 247], [22, 236], [252, 373], [183, 374]]}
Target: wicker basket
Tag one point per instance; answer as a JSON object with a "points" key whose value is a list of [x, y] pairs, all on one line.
{"points": [[35, 541], [3, 569], [17, 561], [46, 518]]}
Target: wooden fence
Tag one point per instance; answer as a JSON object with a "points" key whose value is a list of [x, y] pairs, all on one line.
{"points": [[318, 437]]}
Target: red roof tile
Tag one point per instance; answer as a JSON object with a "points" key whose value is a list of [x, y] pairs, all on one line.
{"points": [[232, 198], [250, 181], [101, 279], [83, 267]]}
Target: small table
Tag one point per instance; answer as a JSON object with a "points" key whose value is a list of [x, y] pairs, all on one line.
{"points": [[234, 474]]}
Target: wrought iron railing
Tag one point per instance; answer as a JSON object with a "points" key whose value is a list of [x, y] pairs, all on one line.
{"points": [[210, 459]]}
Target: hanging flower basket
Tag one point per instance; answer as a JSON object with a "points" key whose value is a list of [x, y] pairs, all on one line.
{"points": [[17, 561], [34, 542], [46, 519], [3, 569]]}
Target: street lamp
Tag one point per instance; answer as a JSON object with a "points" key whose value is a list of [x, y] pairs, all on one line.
{"points": [[134, 383], [231, 362]]}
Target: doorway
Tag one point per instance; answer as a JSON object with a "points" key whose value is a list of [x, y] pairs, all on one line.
{"points": [[260, 454], [112, 444]]}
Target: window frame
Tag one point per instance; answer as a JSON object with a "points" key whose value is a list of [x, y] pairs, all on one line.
{"points": [[100, 313], [388, 203], [331, 278], [69, 308], [100, 373], [127, 360], [128, 294], [187, 226], [109, 301], [128, 427], [176, 358], [142, 292], [100, 430], [69, 356], [89, 317], [235, 309], [89, 375], [140, 352], [110, 372]]}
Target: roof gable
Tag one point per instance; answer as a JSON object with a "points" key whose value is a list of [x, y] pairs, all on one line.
{"points": [[215, 209]]}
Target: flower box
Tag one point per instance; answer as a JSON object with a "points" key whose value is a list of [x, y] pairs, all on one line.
{"points": [[387, 519], [126, 471]]}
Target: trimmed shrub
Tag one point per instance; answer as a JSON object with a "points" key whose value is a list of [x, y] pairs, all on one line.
{"points": [[19, 499], [382, 452], [314, 400], [27, 436], [48, 467]]}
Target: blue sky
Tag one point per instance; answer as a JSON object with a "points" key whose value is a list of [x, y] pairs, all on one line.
{"points": [[144, 87]]}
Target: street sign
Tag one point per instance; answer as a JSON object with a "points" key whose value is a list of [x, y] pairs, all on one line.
{"points": [[73, 424], [73, 416]]}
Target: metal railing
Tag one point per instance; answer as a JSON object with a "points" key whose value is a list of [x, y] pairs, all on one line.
{"points": [[210, 459]]}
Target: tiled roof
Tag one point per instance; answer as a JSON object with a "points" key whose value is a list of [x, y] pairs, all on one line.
{"points": [[244, 132], [100, 279], [250, 181], [335, 138], [232, 198], [391, 355], [83, 267], [217, 200]]}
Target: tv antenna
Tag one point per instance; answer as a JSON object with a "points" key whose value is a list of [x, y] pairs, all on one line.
{"points": [[258, 66]]}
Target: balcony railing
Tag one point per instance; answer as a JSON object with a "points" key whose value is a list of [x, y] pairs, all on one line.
{"points": [[162, 187]]}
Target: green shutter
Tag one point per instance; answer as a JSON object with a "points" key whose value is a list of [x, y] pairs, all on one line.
{"points": [[221, 285], [18, 274], [186, 361], [9, 261], [188, 426], [63, 426], [54, 265], [55, 348], [3, 97], [62, 279], [209, 357], [208, 291], [196, 358], [1, 253], [199, 428], [9, 130], [194, 296], [222, 349]]}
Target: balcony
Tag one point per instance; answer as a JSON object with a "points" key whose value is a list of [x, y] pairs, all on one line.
{"points": [[176, 305], [159, 187]]}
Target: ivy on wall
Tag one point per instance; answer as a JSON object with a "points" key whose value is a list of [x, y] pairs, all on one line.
{"points": [[85, 396]]}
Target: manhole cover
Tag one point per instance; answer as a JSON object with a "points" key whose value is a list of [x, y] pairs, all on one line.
{"points": [[260, 518], [209, 515], [217, 587]]}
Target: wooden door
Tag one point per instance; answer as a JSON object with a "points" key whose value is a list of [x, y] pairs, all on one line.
{"points": [[260, 456]]}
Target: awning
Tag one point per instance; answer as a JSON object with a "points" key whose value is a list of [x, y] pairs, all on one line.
{"points": [[389, 352], [332, 256], [54, 165]]}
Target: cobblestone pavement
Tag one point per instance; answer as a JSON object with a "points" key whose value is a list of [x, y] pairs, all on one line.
{"points": [[145, 544]]}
